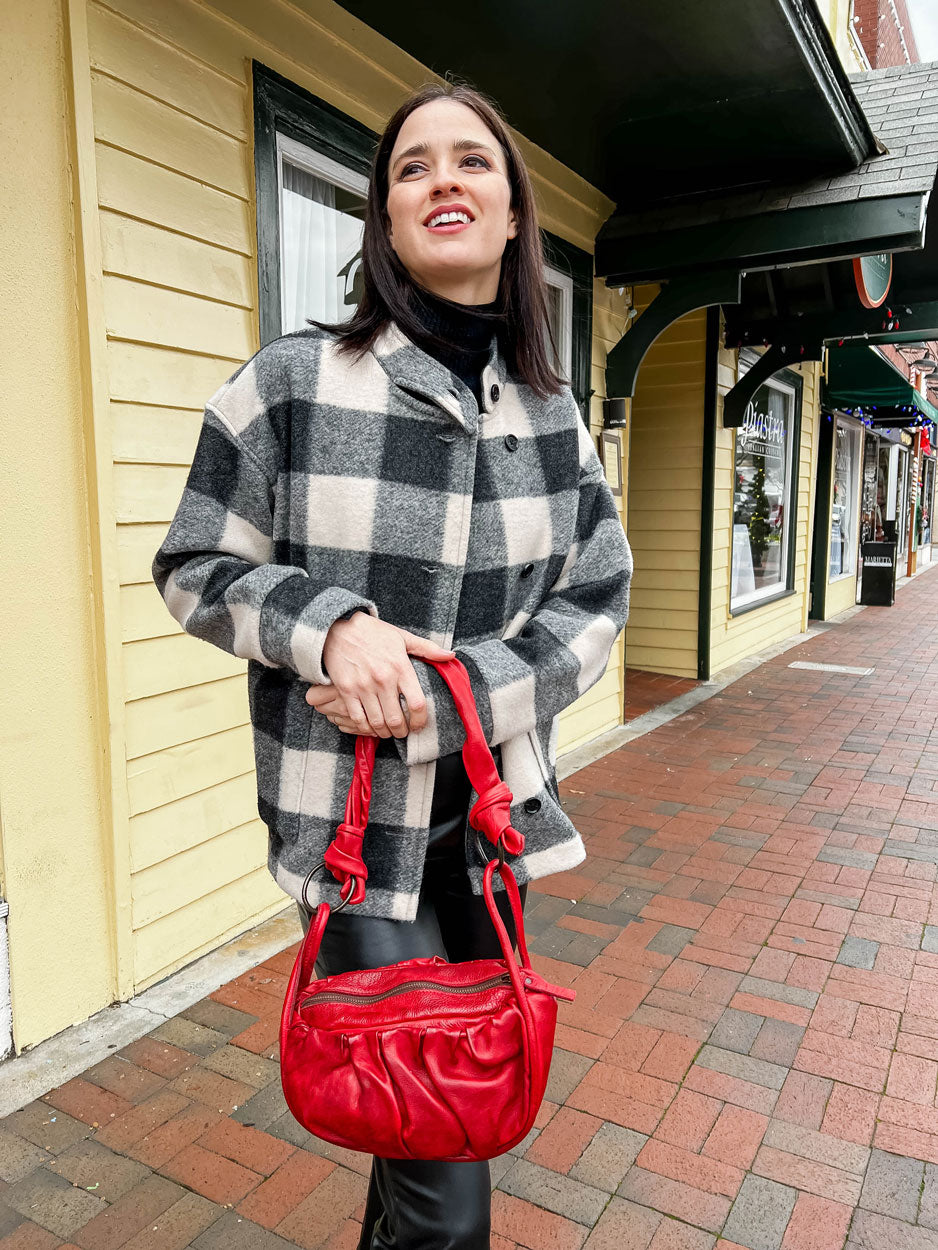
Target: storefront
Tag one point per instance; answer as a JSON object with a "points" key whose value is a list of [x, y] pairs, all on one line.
{"points": [[747, 497], [868, 388]]}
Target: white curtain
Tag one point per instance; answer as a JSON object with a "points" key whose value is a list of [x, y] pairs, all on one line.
{"points": [[309, 278]]}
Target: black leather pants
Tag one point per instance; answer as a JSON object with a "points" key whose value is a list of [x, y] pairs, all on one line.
{"points": [[416, 1204]]}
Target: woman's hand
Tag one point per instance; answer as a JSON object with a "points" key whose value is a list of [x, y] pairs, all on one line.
{"points": [[367, 660]]}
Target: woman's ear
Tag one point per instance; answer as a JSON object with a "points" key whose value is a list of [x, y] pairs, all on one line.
{"points": [[512, 226]]}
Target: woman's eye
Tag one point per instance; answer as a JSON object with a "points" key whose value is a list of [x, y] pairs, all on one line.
{"points": [[407, 168]]}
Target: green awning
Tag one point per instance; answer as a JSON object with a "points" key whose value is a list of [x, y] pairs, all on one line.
{"points": [[858, 377]]}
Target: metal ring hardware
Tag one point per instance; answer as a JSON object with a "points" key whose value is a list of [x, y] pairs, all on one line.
{"points": [[345, 899], [500, 846]]}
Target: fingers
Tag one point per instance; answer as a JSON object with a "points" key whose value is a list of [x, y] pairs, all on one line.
{"points": [[423, 646], [416, 702], [392, 712], [323, 697]]}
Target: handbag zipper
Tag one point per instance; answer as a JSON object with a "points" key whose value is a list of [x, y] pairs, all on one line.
{"points": [[337, 996]]}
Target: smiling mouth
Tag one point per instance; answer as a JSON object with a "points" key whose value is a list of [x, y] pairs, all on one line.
{"points": [[452, 225]]}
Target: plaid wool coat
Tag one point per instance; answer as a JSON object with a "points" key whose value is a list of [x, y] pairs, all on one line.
{"points": [[320, 484]]}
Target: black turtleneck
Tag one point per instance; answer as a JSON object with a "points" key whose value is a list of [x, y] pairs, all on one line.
{"points": [[468, 336]]}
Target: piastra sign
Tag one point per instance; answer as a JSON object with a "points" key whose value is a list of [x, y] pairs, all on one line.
{"points": [[762, 433]]}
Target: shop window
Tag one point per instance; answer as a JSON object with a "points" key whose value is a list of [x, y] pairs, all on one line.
{"points": [[845, 499], [902, 499], [764, 493], [927, 502]]}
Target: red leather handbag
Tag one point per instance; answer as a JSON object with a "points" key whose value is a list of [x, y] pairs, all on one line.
{"points": [[422, 1059]]}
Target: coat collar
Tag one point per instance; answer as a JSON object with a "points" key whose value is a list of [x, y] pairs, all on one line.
{"points": [[413, 369]]}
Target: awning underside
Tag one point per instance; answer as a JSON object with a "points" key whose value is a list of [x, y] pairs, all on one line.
{"points": [[645, 100], [860, 380]]}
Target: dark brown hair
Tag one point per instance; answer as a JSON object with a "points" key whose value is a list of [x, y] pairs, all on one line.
{"points": [[390, 290]]}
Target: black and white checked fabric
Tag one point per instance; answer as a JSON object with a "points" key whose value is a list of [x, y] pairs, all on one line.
{"points": [[320, 483]]}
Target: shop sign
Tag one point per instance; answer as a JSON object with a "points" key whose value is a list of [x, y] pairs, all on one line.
{"points": [[763, 434], [873, 276]]}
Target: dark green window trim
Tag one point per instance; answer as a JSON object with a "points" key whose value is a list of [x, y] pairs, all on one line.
{"points": [[796, 382], [707, 493], [281, 105], [822, 516], [573, 261]]}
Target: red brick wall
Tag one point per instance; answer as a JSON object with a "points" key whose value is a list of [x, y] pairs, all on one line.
{"points": [[902, 356], [879, 34]]}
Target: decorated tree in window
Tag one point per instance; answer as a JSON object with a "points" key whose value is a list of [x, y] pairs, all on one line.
{"points": [[758, 508]]}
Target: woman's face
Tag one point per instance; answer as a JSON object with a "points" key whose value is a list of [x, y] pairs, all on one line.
{"points": [[459, 261]]}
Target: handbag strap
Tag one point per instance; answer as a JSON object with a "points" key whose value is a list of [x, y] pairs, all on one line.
{"points": [[490, 814]]}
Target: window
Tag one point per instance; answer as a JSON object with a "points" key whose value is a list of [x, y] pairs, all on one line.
{"points": [[844, 499], [560, 316], [322, 213], [568, 271], [311, 167], [763, 494]]}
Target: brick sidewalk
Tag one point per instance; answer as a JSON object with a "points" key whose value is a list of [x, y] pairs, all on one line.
{"points": [[646, 691], [752, 1057]]}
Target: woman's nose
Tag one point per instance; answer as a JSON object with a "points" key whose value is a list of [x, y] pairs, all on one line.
{"points": [[447, 185]]}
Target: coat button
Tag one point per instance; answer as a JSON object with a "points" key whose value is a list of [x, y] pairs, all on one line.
{"points": [[495, 392], [527, 570], [511, 441], [532, 805]]}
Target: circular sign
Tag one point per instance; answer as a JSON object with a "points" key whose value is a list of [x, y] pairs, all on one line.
{"points": [[873, 276]]}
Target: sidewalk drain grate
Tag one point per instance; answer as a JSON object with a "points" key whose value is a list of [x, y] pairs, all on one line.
{"points": [[833, 668]]}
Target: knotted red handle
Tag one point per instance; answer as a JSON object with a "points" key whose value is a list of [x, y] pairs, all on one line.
{"points": [[490, 814]]}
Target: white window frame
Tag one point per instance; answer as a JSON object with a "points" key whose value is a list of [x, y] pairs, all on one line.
{"points": [[776, 589], [856, 431], [564, 283], [319, 166]]}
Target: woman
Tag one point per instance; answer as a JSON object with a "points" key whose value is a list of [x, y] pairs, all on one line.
{"points": [[365, 495]]}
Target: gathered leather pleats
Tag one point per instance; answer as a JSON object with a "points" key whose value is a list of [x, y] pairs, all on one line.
{"points": [[416, 1204]]}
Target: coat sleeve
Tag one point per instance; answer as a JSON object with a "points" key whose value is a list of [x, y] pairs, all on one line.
{"points": [[562, 649], [214, 570]]}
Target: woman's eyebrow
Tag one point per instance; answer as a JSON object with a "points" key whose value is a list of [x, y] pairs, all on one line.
{"points": [[459, 145]]}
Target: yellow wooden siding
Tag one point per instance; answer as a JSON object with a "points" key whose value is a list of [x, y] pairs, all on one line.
{"points": [[735, 637], [841, 595], [171, 92], [666, 463]]}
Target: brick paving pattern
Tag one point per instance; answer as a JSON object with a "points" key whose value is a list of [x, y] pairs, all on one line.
{"points": [[752, 1058], [646, 691]]}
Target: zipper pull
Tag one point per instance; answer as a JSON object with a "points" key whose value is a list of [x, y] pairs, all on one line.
{"points": [[558, 991]]}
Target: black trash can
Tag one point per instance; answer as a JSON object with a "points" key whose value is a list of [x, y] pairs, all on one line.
{"points": [[878, 583]]}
